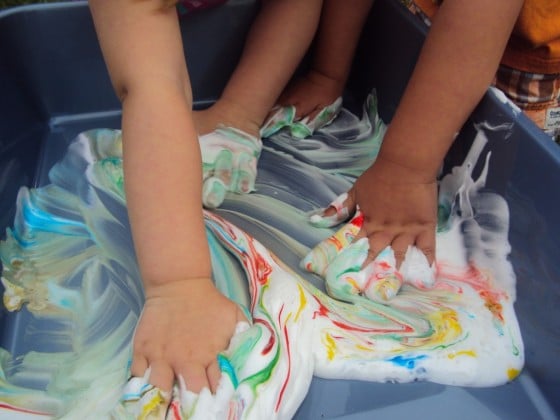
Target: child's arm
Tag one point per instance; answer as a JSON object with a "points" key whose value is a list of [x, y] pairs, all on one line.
{"points": [[143, 50], [335, 44], [277, 41], [398, 193], [456, 66]]}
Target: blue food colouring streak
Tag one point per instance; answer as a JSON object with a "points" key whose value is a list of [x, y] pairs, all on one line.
{"points": [[407, 362], [227, 368]]}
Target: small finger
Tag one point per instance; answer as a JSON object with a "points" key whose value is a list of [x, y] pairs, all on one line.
{"points": [[319, 258], [343, 278], [195, 377], [419, 268], [288, 99], [416, 270], [141, 397], [161, 375], [338, 211], [381, 279], [426, 242], [378, 281], [138, 366], [302, 109], [223, 166], [246, 173], [321, 115], [279, 117], [213, 374], [316, 116], [213, 192], [400, 245], [308, 113], [377, 243], [300, 129]]}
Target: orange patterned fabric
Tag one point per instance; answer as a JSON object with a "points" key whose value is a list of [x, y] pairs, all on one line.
{"points": [[534, 45]]}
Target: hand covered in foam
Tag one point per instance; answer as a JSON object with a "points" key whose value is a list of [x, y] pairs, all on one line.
{"points": [[395, 228], [141, 399], [340, 260], [309, 103], [229, 163], [172, 339], [286, 117]]}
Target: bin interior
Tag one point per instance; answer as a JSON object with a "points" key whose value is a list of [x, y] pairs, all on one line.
{"points": [[54, 85]]}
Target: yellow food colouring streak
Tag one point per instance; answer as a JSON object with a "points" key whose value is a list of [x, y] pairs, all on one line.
{"points": [[513, 373], [470, 353], [331, 346], [151, 408], [302, 302]]}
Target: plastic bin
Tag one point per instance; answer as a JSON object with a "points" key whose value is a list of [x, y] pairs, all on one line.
{"points": [[53, 85]]}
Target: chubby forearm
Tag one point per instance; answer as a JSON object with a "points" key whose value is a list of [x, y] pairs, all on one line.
{"points": [[142, 47], [456, 65], [163, 187]]}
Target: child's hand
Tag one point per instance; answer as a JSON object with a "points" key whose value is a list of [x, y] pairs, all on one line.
{"points": [[391, 208], [183, 327], [229, 163], [307, 105], [400, 209], [311, 93]]}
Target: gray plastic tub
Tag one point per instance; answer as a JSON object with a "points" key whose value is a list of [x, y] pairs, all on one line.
{"points": [[53, 85]]}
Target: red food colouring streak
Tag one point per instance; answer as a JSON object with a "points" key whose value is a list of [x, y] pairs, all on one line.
{"points": [[336, 242], [481, 283], [21, 410], [323, 310], [175, 409], [358, 220], [491, 301], [404, 329], [289, 359], [261, 267], [385, 266], [270, 344]]}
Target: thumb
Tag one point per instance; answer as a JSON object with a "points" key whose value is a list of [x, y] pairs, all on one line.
{"points": [[338, 211]]}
